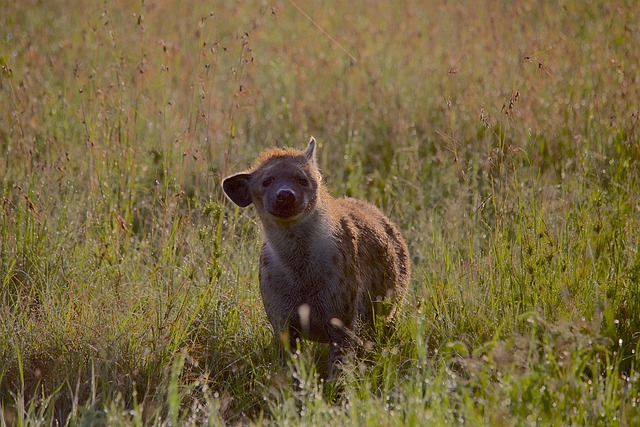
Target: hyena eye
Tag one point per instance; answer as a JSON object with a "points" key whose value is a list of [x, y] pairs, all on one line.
{"points": [[267, 181], [303, 181]]}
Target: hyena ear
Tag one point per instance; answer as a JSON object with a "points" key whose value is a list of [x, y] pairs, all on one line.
{"points": [[236, 187], [311, 150]]}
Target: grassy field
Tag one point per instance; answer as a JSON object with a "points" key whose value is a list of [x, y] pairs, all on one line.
{"points": [[503, 139]]}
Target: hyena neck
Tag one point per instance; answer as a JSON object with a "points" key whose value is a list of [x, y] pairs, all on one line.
{"points": [[294, 243]]}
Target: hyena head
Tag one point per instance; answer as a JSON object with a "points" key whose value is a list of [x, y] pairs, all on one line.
{"points": [[283, 184]]}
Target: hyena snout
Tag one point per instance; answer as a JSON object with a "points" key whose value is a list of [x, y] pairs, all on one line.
{"points": [[284, 201], [285, 196]]}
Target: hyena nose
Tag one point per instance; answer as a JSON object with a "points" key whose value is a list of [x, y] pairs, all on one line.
{"points": [[285, 195]]}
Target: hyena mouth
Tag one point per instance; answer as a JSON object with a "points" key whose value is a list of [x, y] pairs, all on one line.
{"points": [[285, 211], [292, 211]]}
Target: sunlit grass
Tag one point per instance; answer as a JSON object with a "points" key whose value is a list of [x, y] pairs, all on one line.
{"points": [[502, 139]]}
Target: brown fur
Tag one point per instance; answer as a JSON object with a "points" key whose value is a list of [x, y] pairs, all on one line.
{"points": [[328, 266]]}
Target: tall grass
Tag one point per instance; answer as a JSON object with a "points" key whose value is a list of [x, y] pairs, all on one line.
{"points": [[502, 138]]}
